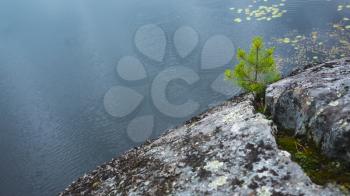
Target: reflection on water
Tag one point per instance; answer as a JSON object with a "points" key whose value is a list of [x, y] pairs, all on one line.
{"points": [[59, 58]]}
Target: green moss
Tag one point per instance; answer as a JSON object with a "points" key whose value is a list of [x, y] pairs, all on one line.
{"points": [[307, 154], [319, 168], [287, 143]]}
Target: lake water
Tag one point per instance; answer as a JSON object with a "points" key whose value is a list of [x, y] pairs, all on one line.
{"points": [[83, 81]]}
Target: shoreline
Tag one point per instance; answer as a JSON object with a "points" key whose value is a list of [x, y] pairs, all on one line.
{"points": [[230, 148]]}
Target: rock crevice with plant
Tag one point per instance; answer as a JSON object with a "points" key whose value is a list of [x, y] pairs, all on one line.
{"points": [[255, 70], [310, 107]]}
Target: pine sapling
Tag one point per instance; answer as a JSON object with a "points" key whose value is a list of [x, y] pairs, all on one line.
{"points": [[255, 70]]}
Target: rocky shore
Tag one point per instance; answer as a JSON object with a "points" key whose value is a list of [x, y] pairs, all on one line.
{"points": [[231, 149], [315, 103]]}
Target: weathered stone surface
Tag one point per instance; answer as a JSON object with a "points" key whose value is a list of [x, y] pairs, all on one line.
{"points": [[229, 150], [316, 103]]}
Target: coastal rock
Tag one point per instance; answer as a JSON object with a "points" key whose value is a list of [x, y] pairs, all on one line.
{"points": [[228, 150], [315, 103]]}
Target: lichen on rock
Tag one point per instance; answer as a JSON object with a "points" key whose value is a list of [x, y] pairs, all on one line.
{"points": [[228, 150], [315, 103]]}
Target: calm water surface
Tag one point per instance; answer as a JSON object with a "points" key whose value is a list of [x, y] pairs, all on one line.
{"points": [[58, 59]]}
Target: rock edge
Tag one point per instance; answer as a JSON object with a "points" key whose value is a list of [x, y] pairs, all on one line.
{"points": [[315, 103], [228, 150]]}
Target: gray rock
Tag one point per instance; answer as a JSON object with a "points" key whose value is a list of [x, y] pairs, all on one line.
{"points": [[316, 103], [229, 150]]}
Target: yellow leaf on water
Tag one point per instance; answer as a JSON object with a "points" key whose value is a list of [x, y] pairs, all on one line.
{"points": [[286, 40], [237, 20]]}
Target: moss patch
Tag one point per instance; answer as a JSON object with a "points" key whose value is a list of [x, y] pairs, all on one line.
{"points": [[319, 168]]}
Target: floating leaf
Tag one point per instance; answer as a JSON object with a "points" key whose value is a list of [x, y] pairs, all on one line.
{"points": [[286, 40], [237, 20]]}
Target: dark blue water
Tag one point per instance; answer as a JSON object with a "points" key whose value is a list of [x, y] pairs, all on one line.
{"points": [[59, 58]]}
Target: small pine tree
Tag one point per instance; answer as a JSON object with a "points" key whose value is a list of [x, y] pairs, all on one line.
{"points": [[255, 70]]}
